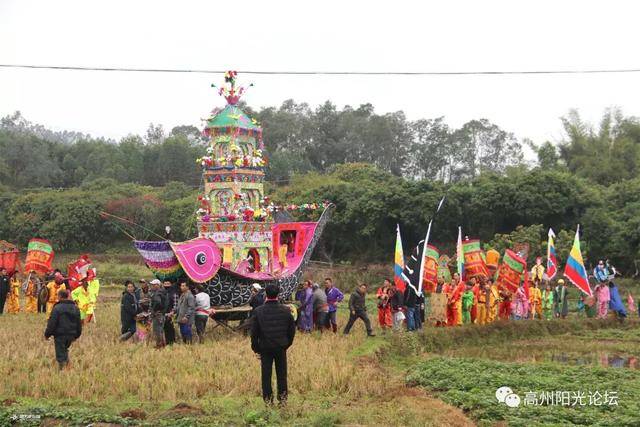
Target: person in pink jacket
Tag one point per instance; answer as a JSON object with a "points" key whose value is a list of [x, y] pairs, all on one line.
{"points": [[603, 297]]}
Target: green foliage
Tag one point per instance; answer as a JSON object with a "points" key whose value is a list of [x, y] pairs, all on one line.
{"points": [[471, 384]]}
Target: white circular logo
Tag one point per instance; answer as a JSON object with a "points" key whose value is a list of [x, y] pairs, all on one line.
{"points": [[512, 400], [502, 393]]}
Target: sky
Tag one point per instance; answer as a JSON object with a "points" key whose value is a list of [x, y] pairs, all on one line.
{"points": [[318, 36]]}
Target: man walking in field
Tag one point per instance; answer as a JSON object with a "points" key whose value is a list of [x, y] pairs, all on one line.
{"points": [[186, 312], [334, 296], [358, 310], [272, 333], [65, 326], [157, 306]]}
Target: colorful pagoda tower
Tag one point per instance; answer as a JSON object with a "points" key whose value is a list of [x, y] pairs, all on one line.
{"points": [[243, 238], [232, 210]]}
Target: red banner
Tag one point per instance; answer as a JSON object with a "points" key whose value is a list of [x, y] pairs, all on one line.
{"points": [[430, 273], [39, 256], [474, 264], [511, 271]]}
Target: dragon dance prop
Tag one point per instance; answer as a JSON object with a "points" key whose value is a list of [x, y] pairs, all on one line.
{"points": [[574, 269], [160, 259], [39, 256], [398, 262], [511, 271], [474, 263], [9, 257], [430, 273], [552, 260]]}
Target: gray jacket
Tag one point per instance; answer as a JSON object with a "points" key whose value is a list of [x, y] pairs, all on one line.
{"points": [[186, 308], [319, 301]]}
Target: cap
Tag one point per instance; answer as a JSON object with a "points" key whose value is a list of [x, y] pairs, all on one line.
{"points": [[156, 282], [257, 286], [561, 281]]}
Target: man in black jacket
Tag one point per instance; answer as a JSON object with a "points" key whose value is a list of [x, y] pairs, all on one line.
{"points": [[272, 332], [64, 325], [358, 310], [4, 288], [128, 310], [158, 302], [172, 293]]}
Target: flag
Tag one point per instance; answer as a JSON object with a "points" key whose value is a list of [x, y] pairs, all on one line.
{"points": [[511, 271], [399, 262], [460, 255], [430, 272], [39, 256], [474, 261], [574, 269], [425, 248], [414, 267], [552, 260]]}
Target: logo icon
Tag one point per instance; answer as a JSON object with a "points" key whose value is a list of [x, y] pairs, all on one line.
{"points": [[505, 395]]}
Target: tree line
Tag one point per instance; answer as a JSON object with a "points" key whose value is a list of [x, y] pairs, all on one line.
{"points": [[378, 169]]}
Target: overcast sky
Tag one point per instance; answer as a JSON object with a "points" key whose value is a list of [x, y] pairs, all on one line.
{"points": [[318, 35]]}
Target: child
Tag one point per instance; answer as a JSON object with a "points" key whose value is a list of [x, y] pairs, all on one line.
{"points": [[547, 302], [467, 304]]}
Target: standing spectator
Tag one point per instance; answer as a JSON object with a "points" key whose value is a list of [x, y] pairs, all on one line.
{"points": [[4, 288], [358, 310], [129, 308], [305, 320], [272, 333], [334, 296], [65, 326], [158, 304], [384, 305], [186, 312], [410, 302], [257, 297], [396, 300], [203, 310], [320, 307], [42, 294], [171, 305]]}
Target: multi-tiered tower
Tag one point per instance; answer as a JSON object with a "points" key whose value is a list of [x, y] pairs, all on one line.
{"points": [[231, 211]]}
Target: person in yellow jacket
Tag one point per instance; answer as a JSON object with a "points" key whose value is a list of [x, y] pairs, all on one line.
{"points": [[535, 301], [494, 300], [13, 301], [31, 293], [85, 297], [486, 301], [52, 288]]}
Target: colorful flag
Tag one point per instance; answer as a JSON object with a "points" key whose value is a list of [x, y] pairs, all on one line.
{"points": [[574, 269], [424, 249], [399, 262], [430, 272], [552, 260], [443, 268], [511, 271], [474, 261], [39, 256], [460, 255]]}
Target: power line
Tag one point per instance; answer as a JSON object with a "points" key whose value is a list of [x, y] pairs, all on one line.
{"points": [[327, 73]]}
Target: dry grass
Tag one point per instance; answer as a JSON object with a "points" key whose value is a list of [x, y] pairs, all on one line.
{"points": [[225, 365]]}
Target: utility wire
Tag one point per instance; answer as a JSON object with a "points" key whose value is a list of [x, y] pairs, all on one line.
{"points": [[328, 73]]}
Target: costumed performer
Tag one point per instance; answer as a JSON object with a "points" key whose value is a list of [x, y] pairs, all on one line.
{"points": [[31, 292], [603, 296], [13, 300], [535, 300], [467, 303], [52, 289], [521, 303], [384, 305], [615, 303], [547, 302], [561, 300]]}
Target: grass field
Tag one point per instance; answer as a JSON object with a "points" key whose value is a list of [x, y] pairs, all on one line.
{"points": [[441, 376]]}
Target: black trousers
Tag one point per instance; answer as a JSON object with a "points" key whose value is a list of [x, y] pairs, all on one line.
{"points": [[62, 344], [128, 325], [3, 300], [358, 315], [42, 307], [169, 331], [267, 359]]}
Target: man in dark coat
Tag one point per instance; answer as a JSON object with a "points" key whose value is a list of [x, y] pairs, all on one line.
{"points": [[172, 295], [64, 325], [272, 333], [157, 305], [129, 308], [4, 287], [358, 310]]}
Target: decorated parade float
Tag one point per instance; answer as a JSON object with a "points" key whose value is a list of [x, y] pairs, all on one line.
{"points": [[243, 238]]}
